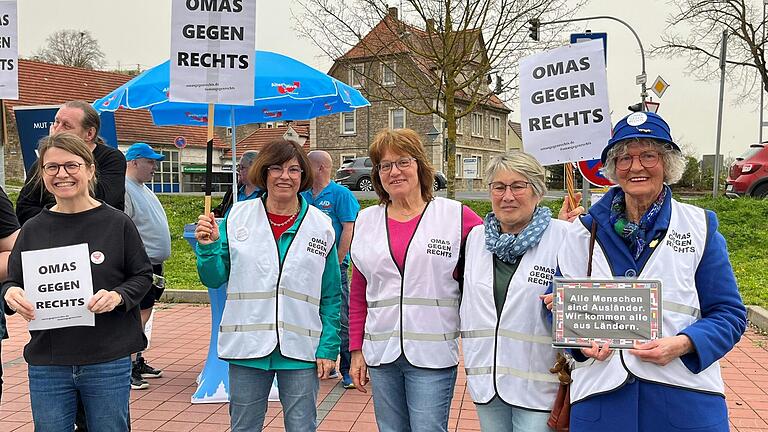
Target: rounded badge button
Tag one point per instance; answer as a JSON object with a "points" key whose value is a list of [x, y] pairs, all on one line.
{"points": [[630, 273]]}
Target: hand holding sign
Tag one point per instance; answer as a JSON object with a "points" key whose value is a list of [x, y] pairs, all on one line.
{"points": [[104, 301], [664, 350], [207, 230], [15, 300]]}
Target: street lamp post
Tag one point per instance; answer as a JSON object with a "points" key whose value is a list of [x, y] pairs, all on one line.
{"points": [[642, 78], [762, 84]]}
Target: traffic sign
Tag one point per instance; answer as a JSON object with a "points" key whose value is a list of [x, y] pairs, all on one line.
{"points": [[470, 167], [590, 169], [652, 106], [588, 36], [180, 142], [659, 86]]}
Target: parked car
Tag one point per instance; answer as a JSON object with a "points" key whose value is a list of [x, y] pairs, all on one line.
{"points": [[748, 176], [356, 175]]}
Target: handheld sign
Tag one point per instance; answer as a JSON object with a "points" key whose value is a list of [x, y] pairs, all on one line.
{"points": [[58, 283], [619, 312], [564, 103], [9, 51], [212, 51]]}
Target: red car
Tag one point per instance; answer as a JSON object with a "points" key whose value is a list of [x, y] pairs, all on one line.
{"points": [[748, 176]]}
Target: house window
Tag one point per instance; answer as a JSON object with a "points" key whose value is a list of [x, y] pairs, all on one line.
{"points": [[479, 165], [388, 73], [348, 122], [459, 166], [166, 177], [460, 126], [396, 118], [346, 157], [229, 131], [477, 124], [356, 78], [495, 127]]}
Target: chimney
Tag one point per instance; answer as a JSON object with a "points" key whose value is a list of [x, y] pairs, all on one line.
{"points": [[393, 12], [430, 25]]}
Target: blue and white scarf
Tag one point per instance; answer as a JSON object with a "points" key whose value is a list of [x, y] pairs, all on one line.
{"points": [[634, 233], [510, 247]]}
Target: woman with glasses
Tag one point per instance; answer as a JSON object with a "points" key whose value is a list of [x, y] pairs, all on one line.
{"points": [[672, 383], [404, 297], [281, 317], [92, 362], [510, 262]]}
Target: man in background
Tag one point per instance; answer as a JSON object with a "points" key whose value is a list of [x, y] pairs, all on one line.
{"points": [[143, 207], [337, 202], [245, 189]]}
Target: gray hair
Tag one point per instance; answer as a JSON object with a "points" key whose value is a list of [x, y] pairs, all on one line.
{"points": [[248, 157], [521, 163], [674, 162]]}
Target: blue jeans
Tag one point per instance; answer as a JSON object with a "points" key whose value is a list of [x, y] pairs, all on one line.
{"points": [[345, 356], [104, 388], [497, 416], [411, 399], [249, 390]]}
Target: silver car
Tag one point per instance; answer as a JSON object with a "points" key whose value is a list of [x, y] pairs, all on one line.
{"points": [[355, 174]]}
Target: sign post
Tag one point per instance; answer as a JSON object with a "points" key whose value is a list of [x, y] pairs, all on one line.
{"points": [[469, 171]]}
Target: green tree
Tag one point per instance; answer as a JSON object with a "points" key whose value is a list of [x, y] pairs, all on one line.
{"points": [[692, 174]]}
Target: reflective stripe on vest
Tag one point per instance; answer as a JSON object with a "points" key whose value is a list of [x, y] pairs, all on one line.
{"points": [[503, 356], [426, 327], [269, 303], [682, 245]]}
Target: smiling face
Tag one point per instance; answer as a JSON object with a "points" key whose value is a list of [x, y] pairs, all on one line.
{"points": [[283, 181], [399, 182], [71, 181], [513, 209], [639, 182]]}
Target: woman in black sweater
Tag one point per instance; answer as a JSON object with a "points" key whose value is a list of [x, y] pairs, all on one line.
{"points": [[92, 362]]}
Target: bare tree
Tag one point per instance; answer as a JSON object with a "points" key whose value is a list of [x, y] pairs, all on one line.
{"points": [[450, 53], [72, 48], [695, 30]]}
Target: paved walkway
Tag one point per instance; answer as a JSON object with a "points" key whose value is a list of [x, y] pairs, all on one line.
{"points": [[180, 345]]}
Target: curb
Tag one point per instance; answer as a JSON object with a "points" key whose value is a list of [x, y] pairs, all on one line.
{"points": [[185, 296], [758, 317]]}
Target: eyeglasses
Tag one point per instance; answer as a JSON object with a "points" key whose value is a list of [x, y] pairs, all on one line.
{"points": [[70, 168], [277, 171], [648, 159], [402, 163], [517, 188]]}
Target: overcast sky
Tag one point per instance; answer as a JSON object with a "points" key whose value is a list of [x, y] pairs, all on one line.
{"points": [[138, 32]]}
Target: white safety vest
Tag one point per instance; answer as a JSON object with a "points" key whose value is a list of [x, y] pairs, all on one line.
{"points": [[414, 312], [674, 261], [269, 304], [510, 357]]}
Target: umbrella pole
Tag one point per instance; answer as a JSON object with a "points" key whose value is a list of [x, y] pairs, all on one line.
{"points": [[209, 162], [234, 153]]}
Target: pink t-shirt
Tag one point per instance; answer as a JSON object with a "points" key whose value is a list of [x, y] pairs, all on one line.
{"points": [[400, 237]]}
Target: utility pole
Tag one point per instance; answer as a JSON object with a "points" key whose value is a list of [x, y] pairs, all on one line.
{"points": [[723, 51]]}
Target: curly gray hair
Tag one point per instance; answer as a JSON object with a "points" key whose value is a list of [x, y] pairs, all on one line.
{"points": [[674, 162]]}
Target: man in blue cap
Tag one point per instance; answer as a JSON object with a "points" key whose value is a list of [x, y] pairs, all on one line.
{"points": [[143, 207]]}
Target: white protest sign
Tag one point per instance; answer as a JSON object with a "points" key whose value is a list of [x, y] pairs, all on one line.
{"points": [[9, 51], [564, 103], [58, 283], [212, 51]]}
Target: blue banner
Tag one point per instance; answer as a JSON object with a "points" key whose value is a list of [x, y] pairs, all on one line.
{"points": [[34, 123]]}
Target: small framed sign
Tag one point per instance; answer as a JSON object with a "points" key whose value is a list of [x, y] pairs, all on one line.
{"points": [[617, 311]]}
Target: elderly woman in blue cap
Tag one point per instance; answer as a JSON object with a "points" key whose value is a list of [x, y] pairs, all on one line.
{"points": [[672, 383]]}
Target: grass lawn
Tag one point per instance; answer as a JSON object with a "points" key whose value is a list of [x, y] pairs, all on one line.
{"points": [[743, 222]]}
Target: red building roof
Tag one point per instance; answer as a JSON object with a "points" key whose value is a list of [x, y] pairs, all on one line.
{"points": [[262, 136], [50, 84]]}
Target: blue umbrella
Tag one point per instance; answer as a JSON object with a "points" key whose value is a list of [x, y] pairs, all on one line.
{"points": [[284, 88]]}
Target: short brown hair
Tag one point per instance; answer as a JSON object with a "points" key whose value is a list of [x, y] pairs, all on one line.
{"points": [[279, 152], [70, 143], [401, 141]]}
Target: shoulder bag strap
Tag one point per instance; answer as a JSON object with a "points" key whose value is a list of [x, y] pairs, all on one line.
{"points": [[592, 232]]}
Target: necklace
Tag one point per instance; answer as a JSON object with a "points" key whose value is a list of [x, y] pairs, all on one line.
{"points": [[275, 224]]}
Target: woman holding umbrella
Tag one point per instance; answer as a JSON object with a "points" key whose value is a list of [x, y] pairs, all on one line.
{"points": [[672, 383], [281, 316]]}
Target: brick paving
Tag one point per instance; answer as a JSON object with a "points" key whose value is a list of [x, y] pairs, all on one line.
{"points": [[179, 347]]}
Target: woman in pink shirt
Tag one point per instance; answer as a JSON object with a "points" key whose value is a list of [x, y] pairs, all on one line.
{"points": [[404, 298]]}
